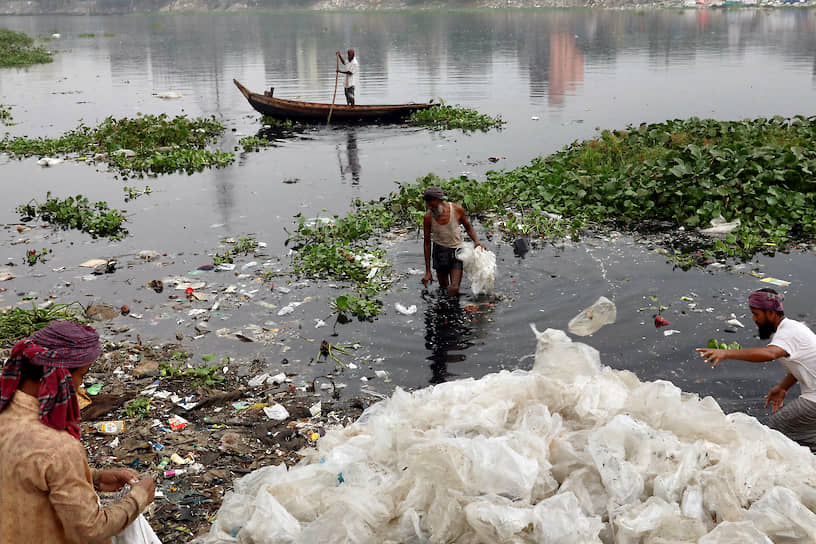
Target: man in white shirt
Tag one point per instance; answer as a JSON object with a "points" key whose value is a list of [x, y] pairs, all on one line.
{"points": [[349, 68], [794, 345]]}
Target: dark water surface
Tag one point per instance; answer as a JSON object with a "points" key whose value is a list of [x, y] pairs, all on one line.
{"points": [[553, 75]]}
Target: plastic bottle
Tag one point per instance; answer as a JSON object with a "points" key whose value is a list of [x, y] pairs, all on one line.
{"points": [[109, 427], [174, 472]]}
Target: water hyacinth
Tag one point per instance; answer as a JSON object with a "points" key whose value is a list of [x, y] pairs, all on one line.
{"points": [[18, 50]]}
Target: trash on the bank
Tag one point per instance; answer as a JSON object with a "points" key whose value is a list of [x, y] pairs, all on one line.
{"points": [[720, 226], [315, 409], [101, 312], [381, 374], [177, 423], [49, 161], [669, 332], [225, 267], [521, 246], [5, 274], [277, 379], [126, 153], [590, 320], [660, 321], [196, 312], [571, 451], [410, 310], [286, 310], [167, 95], [479, 266], [94, 389], [179, 460], [258, 380], [109, 427], [148, 255], [276, 412], [735, 323], [284, 290], [93, 263], [535, 117], [775, 281], [156, 285], [319, 323], [175, 472]]}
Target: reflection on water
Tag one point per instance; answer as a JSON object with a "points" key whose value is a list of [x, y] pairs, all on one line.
{"points": [[450, 329], [351, 165]]}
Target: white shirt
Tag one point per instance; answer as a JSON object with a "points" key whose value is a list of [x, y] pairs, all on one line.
{"points": [[800, 344], [353, 66]]}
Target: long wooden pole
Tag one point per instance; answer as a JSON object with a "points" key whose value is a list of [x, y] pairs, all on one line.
{"points": [[334, 96]]}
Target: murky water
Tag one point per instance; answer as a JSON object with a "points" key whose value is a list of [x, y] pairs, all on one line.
{"points": [[553, 75]]}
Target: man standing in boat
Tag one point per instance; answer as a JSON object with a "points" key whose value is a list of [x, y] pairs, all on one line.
{"points": [[443, 220], [350, 69]]}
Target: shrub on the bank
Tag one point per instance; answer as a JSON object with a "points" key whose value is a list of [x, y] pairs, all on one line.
{"points": [[17, 49]]}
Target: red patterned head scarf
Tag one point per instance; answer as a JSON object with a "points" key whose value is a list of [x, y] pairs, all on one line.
{"points": [[766, 300], [57, 348]]}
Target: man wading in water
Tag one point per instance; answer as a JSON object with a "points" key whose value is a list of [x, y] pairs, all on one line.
{"points": [[443, 219], [794, 345]]}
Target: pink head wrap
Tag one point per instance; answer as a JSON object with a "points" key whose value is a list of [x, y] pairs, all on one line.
{"points": [[763, 300], [57, 348]]}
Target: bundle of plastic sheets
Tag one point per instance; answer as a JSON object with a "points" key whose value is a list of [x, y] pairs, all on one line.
{"points": [[570, 452]]}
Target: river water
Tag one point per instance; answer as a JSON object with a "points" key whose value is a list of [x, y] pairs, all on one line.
{"points": [[553, 75]]}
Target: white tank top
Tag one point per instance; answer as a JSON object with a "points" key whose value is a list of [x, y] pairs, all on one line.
{"points": [[449, 234]]}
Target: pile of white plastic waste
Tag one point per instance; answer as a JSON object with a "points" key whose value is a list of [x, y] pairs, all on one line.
{"points": [[479, 266], [570, 452]]}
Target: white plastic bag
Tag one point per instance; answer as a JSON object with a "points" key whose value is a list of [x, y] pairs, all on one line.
{"points": [[602, 312], [138, 532], [479, 266]]}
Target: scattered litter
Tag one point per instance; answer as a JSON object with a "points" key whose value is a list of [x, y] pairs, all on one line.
{"points": [[735, 323], [177, 423], [660, 321], [670, 332], [93, 263], [535, 117], [196, 312], [276, 412], [225, 267], [315, 409], [277, 379], [775, 281], [319, 323], [109, 427], [286, 310], [590, 320], [258, 380], [410, 310], [49, 161], [148, 255], [168, 95], [720, 226]]}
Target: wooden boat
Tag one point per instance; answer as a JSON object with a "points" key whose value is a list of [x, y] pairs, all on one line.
{"points": [[317, 111]]}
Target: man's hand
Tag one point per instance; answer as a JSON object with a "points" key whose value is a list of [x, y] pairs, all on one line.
{"points": [[775, 398], [713, 356], [149, 485], [113, 479], [427, 278], [477, 244]]}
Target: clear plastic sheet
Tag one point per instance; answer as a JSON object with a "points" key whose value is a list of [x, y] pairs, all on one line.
{"points": [[571, 451], [479, 267]]}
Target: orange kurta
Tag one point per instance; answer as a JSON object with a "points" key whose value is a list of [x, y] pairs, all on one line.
{"points": [[46, 487]]}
